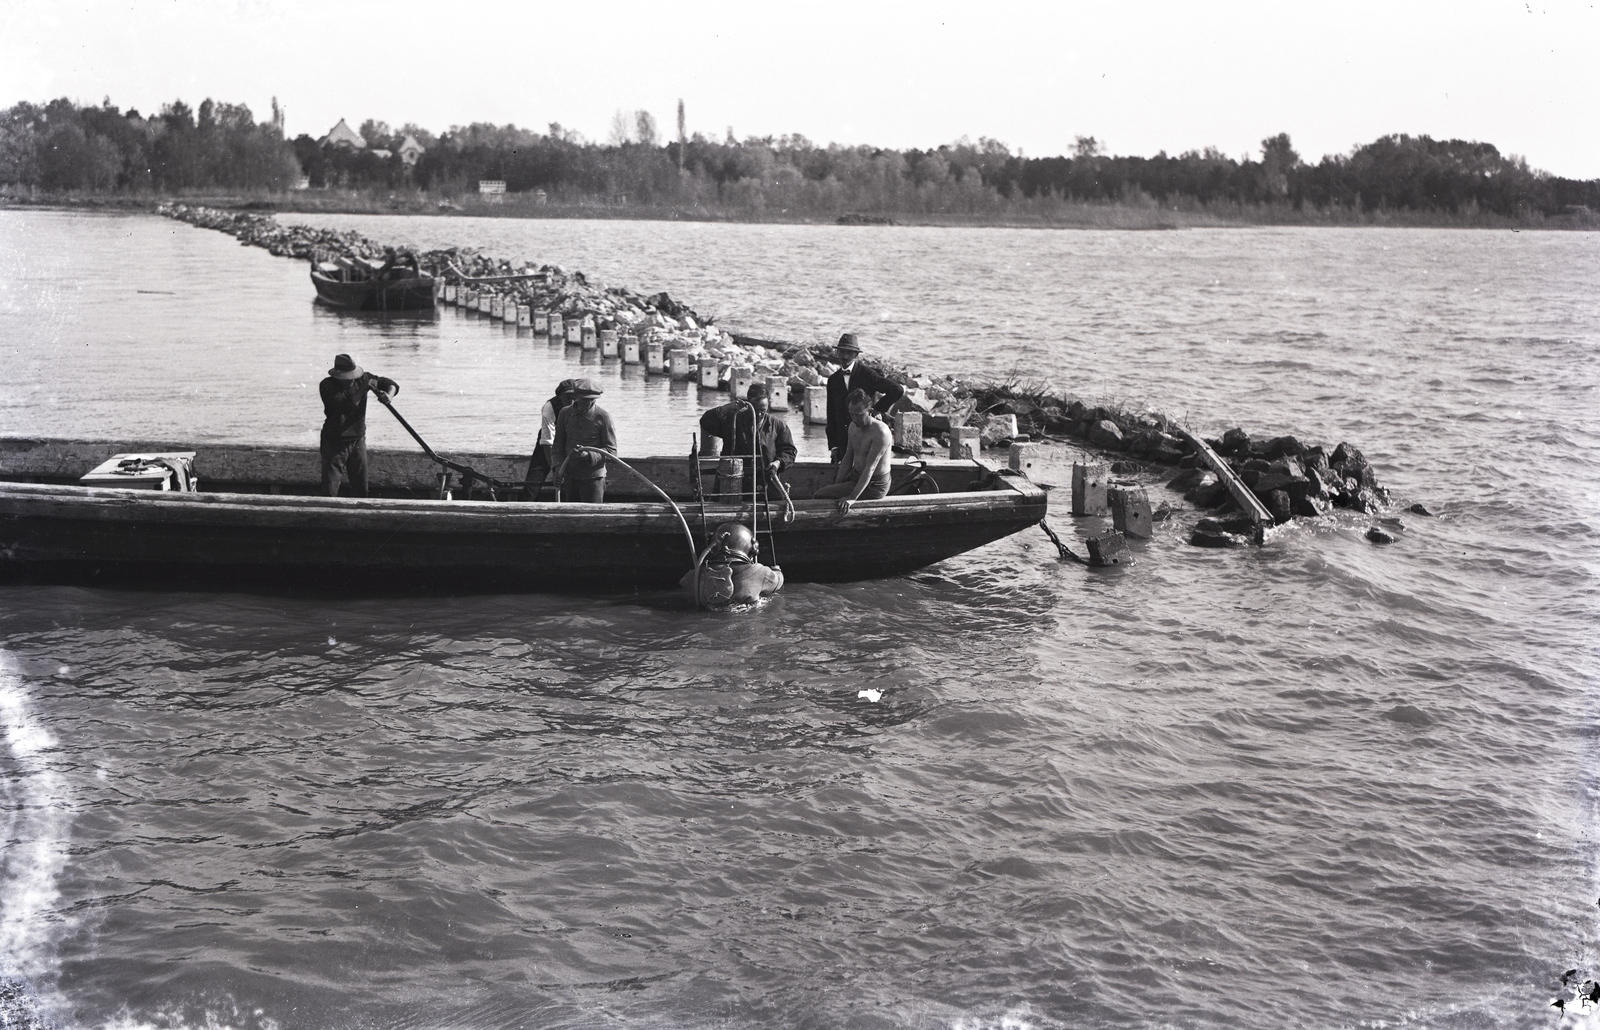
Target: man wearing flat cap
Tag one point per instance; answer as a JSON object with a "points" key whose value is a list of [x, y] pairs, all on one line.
{"points": [[584, 436], [344, 425], [853, 375]]}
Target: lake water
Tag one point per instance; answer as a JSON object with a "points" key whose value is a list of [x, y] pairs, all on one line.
{"points": [[1320, 783]]}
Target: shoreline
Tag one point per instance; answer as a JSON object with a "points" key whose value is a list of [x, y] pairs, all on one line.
{"points": [[1067, 216]]}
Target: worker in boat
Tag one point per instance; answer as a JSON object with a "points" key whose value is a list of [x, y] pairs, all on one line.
{"points": [[584, 436], [398, 264], [882, 393], [541, 464], [729, 572], [864, 469], [731, 425], [344, 425]]}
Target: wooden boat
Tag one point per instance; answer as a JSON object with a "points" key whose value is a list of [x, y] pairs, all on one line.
{"points": [[255, 517], [365, 285]]}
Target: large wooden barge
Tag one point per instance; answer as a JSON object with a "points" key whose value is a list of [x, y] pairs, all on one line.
{"points": [[253, 515]]}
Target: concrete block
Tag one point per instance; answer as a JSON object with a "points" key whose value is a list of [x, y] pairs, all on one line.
{"points": [[681, 364], [450, 293], [817, 405], [524, 316], [558, 329], [655, 357], [608, 343], [588, 338], [710, 373], [908, 431], [739, 379], [1130, 511], [1089, 482], [964, 443], [1109, 549], [1021, 457], [541, 323], [497, 306], [778, 391]]}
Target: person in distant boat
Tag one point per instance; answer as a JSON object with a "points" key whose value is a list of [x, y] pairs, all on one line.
{"points": [[344, 425], [541, 464], [584, 436], [864, 468], [730, 424], [881, 393], [730, 573]]}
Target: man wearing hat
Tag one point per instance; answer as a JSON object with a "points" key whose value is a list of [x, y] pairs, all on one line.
{"points": [[344, 426], [584, 436], [853, 375], [540, 465]]}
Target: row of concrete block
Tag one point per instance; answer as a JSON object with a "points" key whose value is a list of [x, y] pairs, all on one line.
{"points": [[708, 371], [679, 363], [1095, 493]]}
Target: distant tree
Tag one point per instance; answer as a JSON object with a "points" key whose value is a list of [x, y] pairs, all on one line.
{"points": [[646, 125], [377, 134], [622, 127], [1085, 146]]}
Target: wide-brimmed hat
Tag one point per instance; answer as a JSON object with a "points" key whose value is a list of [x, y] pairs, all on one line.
{"points": [[345, 368], [585, 388], [848, 342]]}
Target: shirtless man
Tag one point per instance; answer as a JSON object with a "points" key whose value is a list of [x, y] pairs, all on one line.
{"points": [[864, 469]]}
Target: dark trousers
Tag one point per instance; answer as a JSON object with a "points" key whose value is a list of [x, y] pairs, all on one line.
{"points": [[344, 461], [587, 491], [538, 471]]}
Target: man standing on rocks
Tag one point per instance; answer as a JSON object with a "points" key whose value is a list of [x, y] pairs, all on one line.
{"points": [[584, 436], [344, 425], [853, 375]]}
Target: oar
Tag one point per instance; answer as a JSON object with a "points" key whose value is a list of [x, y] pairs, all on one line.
{"points": [[468, 473]]}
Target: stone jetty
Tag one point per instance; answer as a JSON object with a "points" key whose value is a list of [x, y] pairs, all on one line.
{"points": [[1292, 479]]}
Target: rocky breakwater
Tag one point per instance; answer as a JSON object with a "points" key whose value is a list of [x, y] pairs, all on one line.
{"points": [[1291, 479], [963, 416]]}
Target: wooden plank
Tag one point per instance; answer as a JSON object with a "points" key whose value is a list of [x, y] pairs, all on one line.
{"points": [[1242, 495]]}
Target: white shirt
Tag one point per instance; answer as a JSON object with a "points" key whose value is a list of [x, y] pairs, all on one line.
{"points": [[547, 424]]}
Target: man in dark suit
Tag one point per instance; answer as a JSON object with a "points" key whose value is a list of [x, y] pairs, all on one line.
{"points": [[853, 375]]}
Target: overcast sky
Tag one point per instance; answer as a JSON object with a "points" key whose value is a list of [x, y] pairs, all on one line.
{"points": [[1141, 78]]}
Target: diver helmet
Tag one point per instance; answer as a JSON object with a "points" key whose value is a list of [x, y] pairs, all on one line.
{"points": [[733, 541]]}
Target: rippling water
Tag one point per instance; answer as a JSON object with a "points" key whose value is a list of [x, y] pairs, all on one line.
{"points": [[1316, 784]]}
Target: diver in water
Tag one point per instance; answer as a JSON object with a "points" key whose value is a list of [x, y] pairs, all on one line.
{"points": [[729, 573]]}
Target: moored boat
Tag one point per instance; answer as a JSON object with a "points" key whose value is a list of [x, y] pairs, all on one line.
{"points": [[365, 285], [252, 515]]}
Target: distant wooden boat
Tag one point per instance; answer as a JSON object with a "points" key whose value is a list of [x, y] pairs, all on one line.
{"points": [[257, 519], [364, 285]]}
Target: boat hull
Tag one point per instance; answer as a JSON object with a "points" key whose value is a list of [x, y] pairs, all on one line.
{"points": [[415, 294], [55, 531]]}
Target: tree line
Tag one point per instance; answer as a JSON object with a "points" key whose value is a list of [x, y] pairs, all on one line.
{"points": [[62, 146]]}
